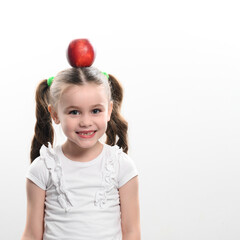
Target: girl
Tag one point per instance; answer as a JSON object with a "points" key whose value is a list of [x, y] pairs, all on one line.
{"points": [[84, 189]]}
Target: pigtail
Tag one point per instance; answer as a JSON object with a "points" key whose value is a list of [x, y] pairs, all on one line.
{"points": [[43, 128], [117, 126]]}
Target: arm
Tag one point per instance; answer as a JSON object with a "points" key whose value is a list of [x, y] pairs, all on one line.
{"points": [[35, 212], [130, 210]]}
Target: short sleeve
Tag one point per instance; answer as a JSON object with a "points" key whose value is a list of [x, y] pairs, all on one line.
{"points": [[38, 173], [127, 169]]}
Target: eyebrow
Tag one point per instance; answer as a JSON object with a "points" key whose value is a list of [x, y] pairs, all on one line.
{"points": [[96, 105]]}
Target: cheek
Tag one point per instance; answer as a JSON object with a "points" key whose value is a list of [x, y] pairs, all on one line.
{"points": [[68, 123], [104, 122], [100, 121]]}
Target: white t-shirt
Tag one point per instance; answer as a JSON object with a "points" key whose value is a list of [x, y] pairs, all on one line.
{"points": [[82, 198]]}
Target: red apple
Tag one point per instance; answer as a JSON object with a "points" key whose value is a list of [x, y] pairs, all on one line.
{"points": [[80, 53]]}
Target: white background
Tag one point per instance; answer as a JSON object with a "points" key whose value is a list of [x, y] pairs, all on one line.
{"points": [[178, 62]]}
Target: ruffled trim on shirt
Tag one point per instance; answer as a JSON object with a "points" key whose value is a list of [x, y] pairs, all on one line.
{"points": [[109, 176], [54, 166]]}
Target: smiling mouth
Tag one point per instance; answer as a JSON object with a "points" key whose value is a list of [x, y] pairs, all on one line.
{"points": [[86, 133]]}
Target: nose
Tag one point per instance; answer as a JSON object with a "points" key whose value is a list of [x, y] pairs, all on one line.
{"points": [[85, 121]]}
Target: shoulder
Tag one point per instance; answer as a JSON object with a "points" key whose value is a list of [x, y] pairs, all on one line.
{"points": [[38, 171], [117, 152], [47, 158], [113, 150], [126, 166]]}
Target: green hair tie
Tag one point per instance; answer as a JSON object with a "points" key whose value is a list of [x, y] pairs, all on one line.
{"points": [[104, 73], [49, 81]]}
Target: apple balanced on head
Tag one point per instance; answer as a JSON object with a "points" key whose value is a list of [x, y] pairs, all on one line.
{"points": [[80, 53]]}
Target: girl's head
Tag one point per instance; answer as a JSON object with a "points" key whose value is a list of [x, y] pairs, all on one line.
{"points": [[81, 103], [72, 101]]}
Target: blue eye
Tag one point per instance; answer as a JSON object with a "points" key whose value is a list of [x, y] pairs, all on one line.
{"points": [[74, 112], [94, 111]]}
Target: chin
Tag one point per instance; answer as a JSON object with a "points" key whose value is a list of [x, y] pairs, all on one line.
{"points": [[86, 144]]}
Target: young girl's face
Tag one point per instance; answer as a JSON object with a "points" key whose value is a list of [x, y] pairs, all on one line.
{"points": [[83, 109]]}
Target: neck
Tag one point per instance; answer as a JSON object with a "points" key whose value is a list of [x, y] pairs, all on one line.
{"points": [[76, 153]]}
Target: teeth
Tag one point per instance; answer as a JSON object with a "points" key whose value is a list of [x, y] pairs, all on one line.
{"points": [[90, 133]]}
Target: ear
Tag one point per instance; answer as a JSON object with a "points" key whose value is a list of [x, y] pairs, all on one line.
{"points": [[53, 114], [110, 107]]}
